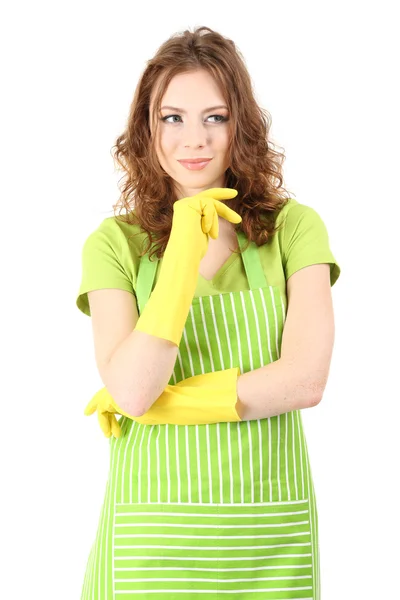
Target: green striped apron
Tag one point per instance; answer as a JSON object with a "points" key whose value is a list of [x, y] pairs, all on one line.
{"points": [[217, 510]]}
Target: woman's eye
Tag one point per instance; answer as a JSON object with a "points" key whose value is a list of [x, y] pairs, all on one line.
{"points": [[220, 117], [170, 117]]}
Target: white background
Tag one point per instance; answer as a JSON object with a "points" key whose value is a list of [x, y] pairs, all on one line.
{"points": [[326, 72]]}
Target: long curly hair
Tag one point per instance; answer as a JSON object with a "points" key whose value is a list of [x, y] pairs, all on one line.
{"points": [[255, 169]]}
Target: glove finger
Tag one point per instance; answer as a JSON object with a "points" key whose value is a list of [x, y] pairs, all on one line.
{"points": [[214, 230], [104, 423], [208, 214], [96, 400], [227, 213], [115, 427], [90, 407], [220, 193]]}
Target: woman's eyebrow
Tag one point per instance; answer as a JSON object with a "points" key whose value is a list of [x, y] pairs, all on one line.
{"points": [[184, 111]]}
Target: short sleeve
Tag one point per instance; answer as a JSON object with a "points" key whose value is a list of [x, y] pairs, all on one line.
{"points": [[102, 263], [306, 242]]}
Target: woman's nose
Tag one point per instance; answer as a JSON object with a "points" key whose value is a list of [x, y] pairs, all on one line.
{"points": [[195, 134]]}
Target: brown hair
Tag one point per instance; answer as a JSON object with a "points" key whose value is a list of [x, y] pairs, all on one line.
{"points": [[255, 167]]}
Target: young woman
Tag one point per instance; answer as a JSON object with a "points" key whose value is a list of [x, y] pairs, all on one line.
{"points": [[213, 327]]}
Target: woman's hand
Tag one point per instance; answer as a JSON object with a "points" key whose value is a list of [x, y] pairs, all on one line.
{"points": [[106, 408], [194, 219], [206, 207]]}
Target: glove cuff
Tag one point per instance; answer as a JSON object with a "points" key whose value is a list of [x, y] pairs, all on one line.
{"points": [[198, 400]]}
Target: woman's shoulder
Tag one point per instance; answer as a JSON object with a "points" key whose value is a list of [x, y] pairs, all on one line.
{"points": [[295, 217], [293, 210], [304, 239]]}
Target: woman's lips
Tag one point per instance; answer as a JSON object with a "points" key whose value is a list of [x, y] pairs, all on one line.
{"points": [[194, 166]]}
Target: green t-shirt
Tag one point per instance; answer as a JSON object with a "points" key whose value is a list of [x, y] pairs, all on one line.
{"points": [[111, 260]]}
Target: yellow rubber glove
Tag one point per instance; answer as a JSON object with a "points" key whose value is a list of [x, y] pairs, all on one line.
{"points": [[194, 219], [208, 398], [106, 408]]}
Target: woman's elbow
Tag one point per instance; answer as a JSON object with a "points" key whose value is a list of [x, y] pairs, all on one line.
{"points": [[316, 391], [132, 405], [311, 384]]}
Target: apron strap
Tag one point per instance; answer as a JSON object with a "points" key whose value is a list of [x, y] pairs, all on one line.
{"points": [[144, 282], [252, 263]]}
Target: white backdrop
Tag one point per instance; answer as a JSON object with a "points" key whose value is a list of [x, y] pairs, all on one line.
{"points": [[326, 73]]}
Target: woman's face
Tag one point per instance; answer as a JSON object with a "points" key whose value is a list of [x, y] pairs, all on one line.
{"points": [[193, 128]]}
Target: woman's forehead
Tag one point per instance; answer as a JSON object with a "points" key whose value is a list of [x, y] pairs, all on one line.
{"points": [[195, 84]]}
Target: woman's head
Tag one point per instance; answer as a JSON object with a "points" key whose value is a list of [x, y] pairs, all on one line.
{"points": [[192, 122], [194, 71]]}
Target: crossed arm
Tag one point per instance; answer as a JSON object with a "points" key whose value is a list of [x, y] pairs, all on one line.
{"points": [[296, 380]]}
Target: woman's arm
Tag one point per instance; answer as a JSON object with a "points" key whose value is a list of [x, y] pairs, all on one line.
{"points": [[298, 378], [295, 381]]}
